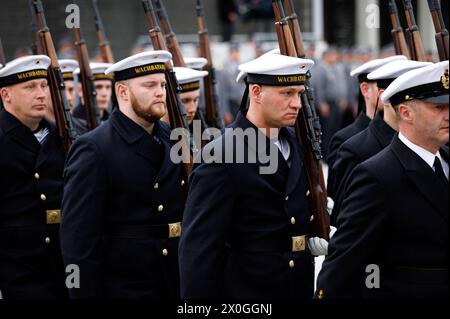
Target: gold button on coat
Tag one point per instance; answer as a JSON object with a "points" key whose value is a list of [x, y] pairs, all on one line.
{"points": [[286, 198], [36, 176], [293, 220], [183, 182], [165, 252], [291, 264], [47, 240], [308, 193], [156, 186], [43, 197], [160, 208]]}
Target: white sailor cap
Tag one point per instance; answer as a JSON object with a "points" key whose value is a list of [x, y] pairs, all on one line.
{"points": [[362, 71], [195, 63], [1, 65], [385, 75], [273, 51], [242, 74], [24, 69], [429, 83], [98, 71], [275, 70], [68, 67], [141, 64], [189, 79]]}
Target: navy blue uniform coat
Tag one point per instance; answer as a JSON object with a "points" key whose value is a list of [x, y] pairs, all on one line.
{"points": [[118, 174], [395, 215], [354, 151], [360, 124], [30, 257], [231, 205]]}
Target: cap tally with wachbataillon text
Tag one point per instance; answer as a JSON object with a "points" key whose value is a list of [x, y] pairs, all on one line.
{"points": [[141, 64], [386, 74], [429, 84], [24, 69], [98, 71], [68, 67], [189, 79], [275, 70], [362, 71], [196, 63]]}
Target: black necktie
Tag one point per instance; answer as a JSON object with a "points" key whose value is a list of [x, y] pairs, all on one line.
{"points": [[439, 171]]}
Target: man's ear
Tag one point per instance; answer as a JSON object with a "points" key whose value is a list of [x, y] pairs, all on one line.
{"points": [[80, 90], [122, 91], [364, 87], [5, 95], [255, 92], [405, 113]]}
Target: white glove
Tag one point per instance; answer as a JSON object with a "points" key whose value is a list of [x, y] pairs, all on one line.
{"points": [[330, 205], [319, 246]]}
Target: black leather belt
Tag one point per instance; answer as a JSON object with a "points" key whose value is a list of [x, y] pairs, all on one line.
{"points": [[33, 219], [268, 244], [144, 231], [418, 275]]}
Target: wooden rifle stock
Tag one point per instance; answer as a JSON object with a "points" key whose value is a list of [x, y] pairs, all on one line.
{"points": [[441, 32], [307, 127], [177, 113], [36, 46], [57, 88], [103, 43], [87, 81], [171, 39], [294, 25], [213, 117], [401, 47], [417, 50]]}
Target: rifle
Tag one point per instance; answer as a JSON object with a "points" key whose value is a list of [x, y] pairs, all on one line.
{"points": [[177, 113], [86, 80], [172, 46], [307, 126], [171, 39], [213, 116], [416, 45], [401, 47], [34, 31], [103, 43], [441, 32], [56, 82]]}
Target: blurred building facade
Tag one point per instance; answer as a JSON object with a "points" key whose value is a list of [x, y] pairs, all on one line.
{"points": [[338, 22]]}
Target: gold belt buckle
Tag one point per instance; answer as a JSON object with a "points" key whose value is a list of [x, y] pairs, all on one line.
{"points": [[53, 216], [298, 243], [174, 230]]}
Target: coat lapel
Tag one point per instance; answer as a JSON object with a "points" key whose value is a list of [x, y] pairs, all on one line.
{"points": [[423, 177], [48, 147], [142, 142], [296, 168], [166, 164]]}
